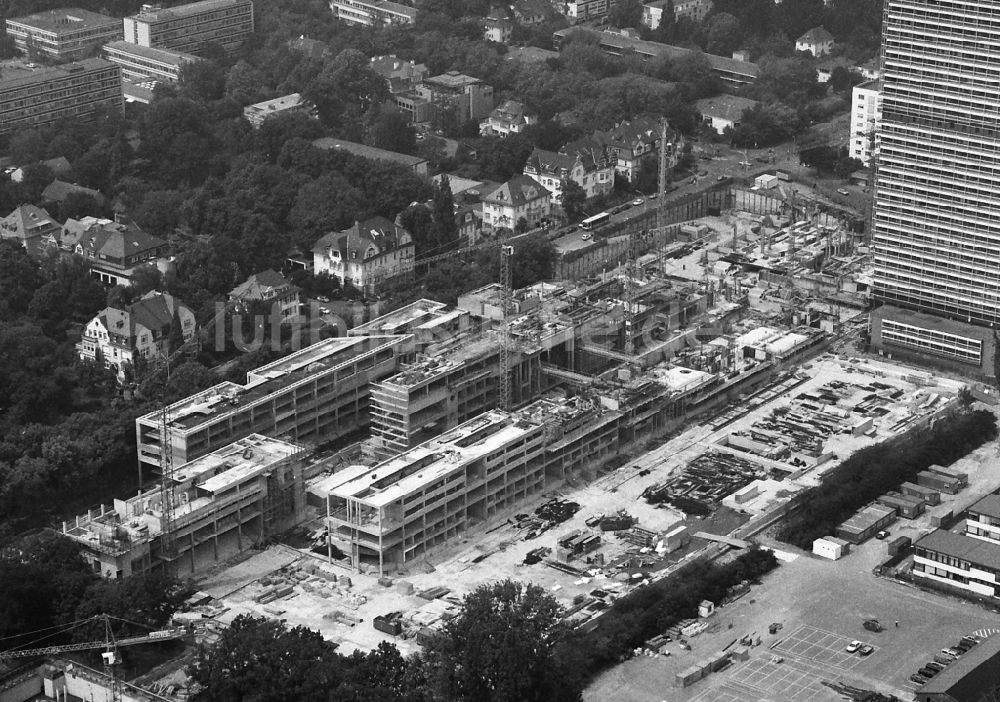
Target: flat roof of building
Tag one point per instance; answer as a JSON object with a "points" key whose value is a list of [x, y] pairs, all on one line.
{"points": [[239, 461], [365, 151], [194, 8], [404, 318], [968, 678], [966, 548], [69, 19], [227, 398], [452, 79], [653, 48], [680, 379], [866, 518], [279, 103], [51, 74], [174, 58], [423, 465], [989, 505]]}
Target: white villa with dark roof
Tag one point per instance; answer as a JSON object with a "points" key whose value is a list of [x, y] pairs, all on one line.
{"points": [[365, 255], [121, 337], [519, 198]]}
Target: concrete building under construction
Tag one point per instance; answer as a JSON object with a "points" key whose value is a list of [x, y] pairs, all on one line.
{"points": [[316, 395], [393, 513], [224, 503]]}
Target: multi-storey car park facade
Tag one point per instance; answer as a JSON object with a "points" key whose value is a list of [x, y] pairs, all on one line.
{"points": [[72, 91], [190, 27], [316, 395], [936, 225], [70, 33]]}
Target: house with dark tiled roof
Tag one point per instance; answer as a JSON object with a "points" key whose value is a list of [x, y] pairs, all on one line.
{"points": [[723, 111], [366, 255], [29, 226], [112, 249], [817, 41], [519, 198], [510, 118], [133, 334], [633, 142], [497, 26], [57, 191], [585, 162], [267, 286], [531, 12]]}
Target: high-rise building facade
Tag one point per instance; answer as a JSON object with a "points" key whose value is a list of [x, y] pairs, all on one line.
{"points": [[77, 91], [936, 224], [191, 27]]}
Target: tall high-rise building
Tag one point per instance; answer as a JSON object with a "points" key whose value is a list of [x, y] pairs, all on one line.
{"points": [[936, 224]]}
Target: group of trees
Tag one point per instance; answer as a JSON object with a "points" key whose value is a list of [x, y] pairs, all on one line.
{"points": [[878, 469], [50, 596], [502, 647], [508, 643]]}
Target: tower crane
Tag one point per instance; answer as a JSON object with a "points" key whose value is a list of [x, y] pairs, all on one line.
{"points": [[110, 644], [506, 253]]}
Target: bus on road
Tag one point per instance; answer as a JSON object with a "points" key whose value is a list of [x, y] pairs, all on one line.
{"points": [[596, 221]]}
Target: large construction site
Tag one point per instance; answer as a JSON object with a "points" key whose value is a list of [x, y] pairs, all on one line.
{"points": [[585, 435]]}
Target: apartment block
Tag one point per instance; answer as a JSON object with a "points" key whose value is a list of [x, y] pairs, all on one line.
{"points": [[316, 396], [64, 34], [286, 104], [77, 91], [580, 10], [139, 63], [864, 116], [224, 503], [391, 514], [191, 27], [958, 561], [935, 231], [471, 97], [373, 13], [982, 520]]}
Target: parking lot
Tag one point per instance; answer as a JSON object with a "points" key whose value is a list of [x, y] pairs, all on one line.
{"points": [[821, 606]]}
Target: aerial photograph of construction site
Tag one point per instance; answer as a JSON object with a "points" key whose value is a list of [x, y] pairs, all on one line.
{"points": [[599, 438]]}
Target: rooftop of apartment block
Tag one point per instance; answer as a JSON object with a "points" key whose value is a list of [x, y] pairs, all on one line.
{"points": [[157, 12], [69, 19], [225, 398], [403, 319], [214, 473], [16, 76], [423, 465], [173, 58]]}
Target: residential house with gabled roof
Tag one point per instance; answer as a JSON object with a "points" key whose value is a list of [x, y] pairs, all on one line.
{"points": [[311, 48], [497, 27], [138, 333], [723, 112], [510, 118], [267, 286], [817, 41], [366, 255], [633, 142], [584, 161], [519, 198], [532, 11], [29, 226], [57, 191], [113, 250]]}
